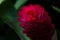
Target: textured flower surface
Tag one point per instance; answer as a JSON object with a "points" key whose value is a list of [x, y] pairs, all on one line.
{"points": [[36, 22]]}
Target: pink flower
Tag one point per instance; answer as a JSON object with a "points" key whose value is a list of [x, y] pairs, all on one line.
{"points": [[36, 22]]}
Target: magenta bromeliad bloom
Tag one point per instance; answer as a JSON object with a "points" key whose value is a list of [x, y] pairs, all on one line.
{"points": [[36, 22]]}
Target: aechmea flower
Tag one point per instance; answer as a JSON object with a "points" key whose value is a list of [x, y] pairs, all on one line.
{"points": [[36, 22]]}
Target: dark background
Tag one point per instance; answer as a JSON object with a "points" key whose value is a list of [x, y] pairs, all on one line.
{"points": [[6, 31]]}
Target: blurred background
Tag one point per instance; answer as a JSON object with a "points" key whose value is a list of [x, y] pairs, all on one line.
{"points": [[9, 26]]}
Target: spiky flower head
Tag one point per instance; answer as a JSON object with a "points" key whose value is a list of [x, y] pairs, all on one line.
{"points": [[36, 22]]}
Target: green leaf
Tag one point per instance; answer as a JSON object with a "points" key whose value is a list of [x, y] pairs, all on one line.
{"points": [[19, 3], [9, 16], [1, 1], [56, 8]]}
